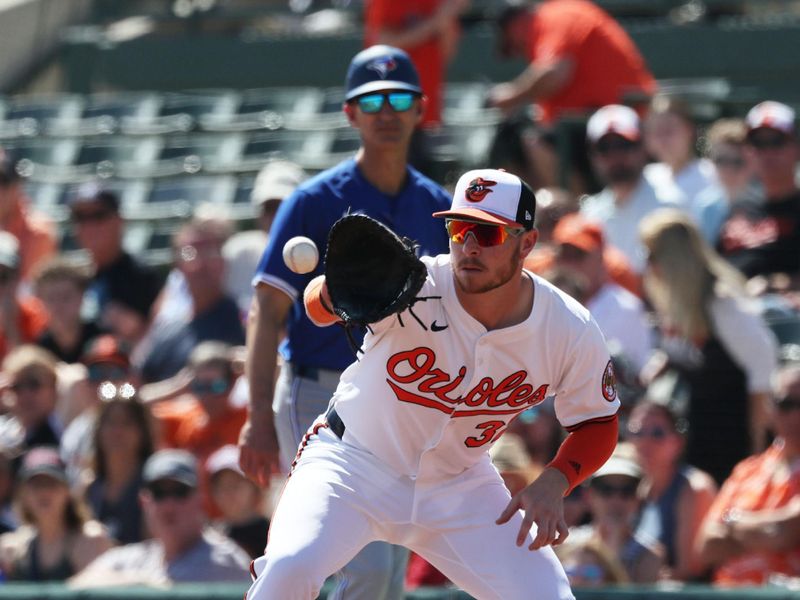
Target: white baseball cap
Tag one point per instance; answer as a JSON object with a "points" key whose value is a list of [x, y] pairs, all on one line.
{"points": [[614, 118], [225, 458], [619, 465], [772, 115], [275, 181], [492, 196]]}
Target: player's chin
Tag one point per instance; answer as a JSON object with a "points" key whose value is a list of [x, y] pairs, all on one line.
{"points": [[390, 140], [472, 281]]}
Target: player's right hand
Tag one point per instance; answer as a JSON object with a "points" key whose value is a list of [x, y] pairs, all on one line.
{"points": [[542, 503], [258, 450]]}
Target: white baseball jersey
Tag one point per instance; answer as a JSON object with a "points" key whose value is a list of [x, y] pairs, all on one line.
{"points": [[447, 392]]}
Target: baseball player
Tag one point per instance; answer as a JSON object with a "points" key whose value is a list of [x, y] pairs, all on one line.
{"points": [[384, 102], [401, 454]]}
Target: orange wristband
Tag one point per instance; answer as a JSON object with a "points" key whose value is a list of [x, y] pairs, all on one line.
{"points": [[586, 449], [316, 308]]}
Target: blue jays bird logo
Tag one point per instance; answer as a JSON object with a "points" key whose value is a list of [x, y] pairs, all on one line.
{"points": [[383, 66], [478, 189]]}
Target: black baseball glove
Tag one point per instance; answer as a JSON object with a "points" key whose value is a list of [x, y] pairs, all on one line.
{"points": [[370, 271]]}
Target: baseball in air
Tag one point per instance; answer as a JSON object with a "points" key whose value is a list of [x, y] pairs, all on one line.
{"points": [[300, 254]]}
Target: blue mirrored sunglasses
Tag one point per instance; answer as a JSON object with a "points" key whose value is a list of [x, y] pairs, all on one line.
{"points": [[373, 103]]}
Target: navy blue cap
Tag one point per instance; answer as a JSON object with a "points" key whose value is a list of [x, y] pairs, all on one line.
{"points": [[381, 68]]}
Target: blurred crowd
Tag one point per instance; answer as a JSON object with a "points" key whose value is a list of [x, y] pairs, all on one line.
{"points": [[123, 392], [122, 399]]}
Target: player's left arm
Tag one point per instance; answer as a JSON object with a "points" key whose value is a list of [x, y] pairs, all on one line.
{"points": [[317, 303], [586, 401]]}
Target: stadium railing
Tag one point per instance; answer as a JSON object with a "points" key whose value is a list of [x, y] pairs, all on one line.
{"points": [[205, 591]]}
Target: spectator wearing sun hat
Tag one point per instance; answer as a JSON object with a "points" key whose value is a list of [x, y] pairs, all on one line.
{"points": [[242, 251], [613, 497], [618, 157], [762, 233], [239, 500]]}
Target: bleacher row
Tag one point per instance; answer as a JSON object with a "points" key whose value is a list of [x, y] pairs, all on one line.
{"points": [[166, 152]]}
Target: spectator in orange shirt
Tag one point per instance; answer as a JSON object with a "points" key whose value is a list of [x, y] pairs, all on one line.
{"points": [[201, 418], [22, 320], [426, 29], [34, 232], [618, 268], [752, 530], [581, 247], [580, 59]]}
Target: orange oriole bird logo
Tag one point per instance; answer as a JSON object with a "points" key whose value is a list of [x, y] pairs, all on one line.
{"points": [[478, 189]]}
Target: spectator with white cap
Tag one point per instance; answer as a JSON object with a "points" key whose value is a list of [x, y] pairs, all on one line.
{"points": [[239, 500], [618, 158], [762, 234], [275, 181]]}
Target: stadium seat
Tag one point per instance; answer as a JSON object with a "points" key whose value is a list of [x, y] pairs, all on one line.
{"points": [[42, 159], [210, 152], [468, 146], [308, 149], [43, 195], [151, 241], [177, 197], [269, 108], [464, 104], [344, 145], [117, 155], [181, 112], [241, 208], [330, 114], [35, 115], [102, 113]]}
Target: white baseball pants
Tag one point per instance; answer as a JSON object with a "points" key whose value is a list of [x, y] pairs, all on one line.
{"points": [[340, 498], [378, 571]]}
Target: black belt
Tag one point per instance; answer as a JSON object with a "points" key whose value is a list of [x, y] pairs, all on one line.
{"points": [[305, 372], [335, 422]]}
